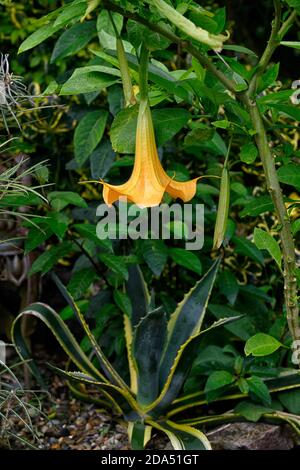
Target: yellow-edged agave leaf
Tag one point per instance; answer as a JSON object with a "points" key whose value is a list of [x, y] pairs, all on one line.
{"points": [[187, 319], [138, 293], [65, 338], [139, 434], [183, 436], [131, 364], [180, 369], [88, 398], [147, 348], [124, 400], [110, 372]]}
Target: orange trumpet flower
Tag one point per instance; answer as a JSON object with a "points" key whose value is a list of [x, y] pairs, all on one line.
{"points": [[148, 181]]}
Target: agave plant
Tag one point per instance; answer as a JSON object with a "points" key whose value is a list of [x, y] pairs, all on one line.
{"points": [[160, 355]]}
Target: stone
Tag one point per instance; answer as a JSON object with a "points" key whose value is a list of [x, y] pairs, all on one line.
{"points": [[251, 436]]}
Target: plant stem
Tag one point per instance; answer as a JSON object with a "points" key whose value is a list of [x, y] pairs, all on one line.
{"points": [[288, 248], [277, 33], [143, 73]]}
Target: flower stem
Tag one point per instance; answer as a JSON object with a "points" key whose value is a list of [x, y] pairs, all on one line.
{"points": [[143, 73]]}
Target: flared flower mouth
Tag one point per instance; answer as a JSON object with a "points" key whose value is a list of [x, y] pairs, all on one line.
{"points": [[148, 181]]}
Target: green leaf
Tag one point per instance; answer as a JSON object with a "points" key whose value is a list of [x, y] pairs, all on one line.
{"points": [[102, 159], [148, 344], [247, 248], [241, 49], [181, 368], [70, 12], [261, 344], [268, 77], [187, 259], [137, 291], [251, 411], [138, 33], [243, 328], [264, 241], [39, 36], [67, 312], [248, 153], [123, 302], [58, 222], [123, 129], [167, 122], [293, 44], [89, 231], [291, 111], [115, 263], [36, 236], [290, 400], [73, 40], [183, 436], [290, 174], [50, 257], [155, 254], [259, 389], [53, 321], [258, 206], [60, 199], [296, 226], [138, 435], [217, 380], [187, 319], [80, 282], [86, 81], [104, 22], [222, 124], [228, 286], [88, 134]]}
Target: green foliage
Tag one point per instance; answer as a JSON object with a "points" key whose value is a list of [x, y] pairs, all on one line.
{"points": [[69, 55]]}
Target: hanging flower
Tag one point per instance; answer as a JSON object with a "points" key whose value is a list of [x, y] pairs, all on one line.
{"points": [[148, 181]]}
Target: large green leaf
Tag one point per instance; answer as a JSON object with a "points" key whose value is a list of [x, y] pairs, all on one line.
{"points": [[261, 344], [138, 293], [167, 122], [102, 159], [187, 259], [60, 199], [180, 369], [187, 318], [148, 343], [183, 436], [258, 206], [290, 174], [39, 36], [48, 259], [243, 328], [124, 400], [73, 39], [88, 134], [264, 241], [84, 80], [109, 371], [53, 321]]}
